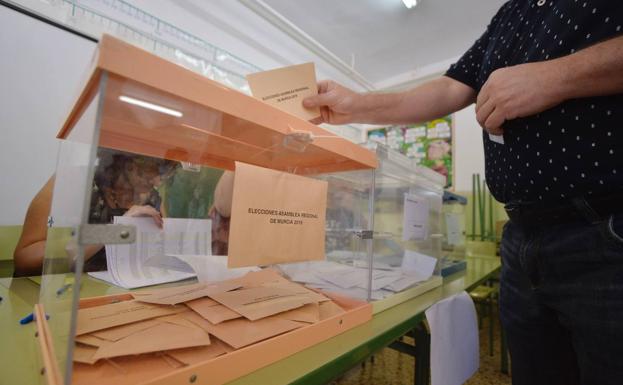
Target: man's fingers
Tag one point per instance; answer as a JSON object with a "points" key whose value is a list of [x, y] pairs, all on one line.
{"points": [[494, 121], [482, 97], [158, 219], [496, 131], [323, 86], [483, 113], [318, 100]]}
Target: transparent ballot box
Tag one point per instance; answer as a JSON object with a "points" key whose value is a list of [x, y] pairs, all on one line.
{"points": [[407, 228], [454, 237], [186, 196], [391, 256]]}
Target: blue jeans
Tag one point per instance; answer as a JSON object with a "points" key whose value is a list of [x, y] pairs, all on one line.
{"points": [[561, 301]]}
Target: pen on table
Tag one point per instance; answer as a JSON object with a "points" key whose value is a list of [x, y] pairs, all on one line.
{"points": [[29, 318], [63, 289]]}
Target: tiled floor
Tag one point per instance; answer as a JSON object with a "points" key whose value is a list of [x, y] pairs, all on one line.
{"points": [[392, 368]]}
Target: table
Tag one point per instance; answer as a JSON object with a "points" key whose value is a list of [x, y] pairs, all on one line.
{"points": [[20, 361]]}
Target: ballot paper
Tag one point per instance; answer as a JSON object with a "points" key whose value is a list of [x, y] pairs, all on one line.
{"points": [[454, 355], [415, 218], [209, 268], [131, 265], [418, 264], [352, 281], [276, 217], [497, 138], [285, 88]]}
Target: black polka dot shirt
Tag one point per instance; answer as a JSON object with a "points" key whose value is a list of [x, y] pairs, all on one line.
{"points": [[574, 149]]}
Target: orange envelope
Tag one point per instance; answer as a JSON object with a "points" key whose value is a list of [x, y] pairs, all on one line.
{"points": [[164, 336], [189, 356], [276, 217], [285, 88], [260, 278], [212, 310], [179, 294], [329, 309], [260, 302], [309, 313], [84, 354], [91, 340], [106, 316], [242, 332], [118, 332]]}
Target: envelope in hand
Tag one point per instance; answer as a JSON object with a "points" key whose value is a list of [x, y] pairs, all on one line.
{"points": [[164, 336], [106, 316], [260, 302]]}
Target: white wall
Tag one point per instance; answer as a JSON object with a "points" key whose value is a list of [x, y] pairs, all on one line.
{"points": [[468, 150], [40, 68]]}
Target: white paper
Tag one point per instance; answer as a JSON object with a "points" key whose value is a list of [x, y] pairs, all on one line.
{"points": [[127, 263], [455, 229], [454, 354], [406, 281], [415, 218], [497, 138], [418, 264], [187, 236], [346, 277], [211, 268], [383, 278]]}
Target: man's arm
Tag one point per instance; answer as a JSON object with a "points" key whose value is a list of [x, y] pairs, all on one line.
{"points": [[434, 99], [527, 89]]}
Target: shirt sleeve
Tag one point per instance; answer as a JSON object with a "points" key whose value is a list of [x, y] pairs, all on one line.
{"points": [[468, 69]]}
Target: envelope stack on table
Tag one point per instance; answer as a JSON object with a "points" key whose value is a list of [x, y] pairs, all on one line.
{"points": [[189, 324]]}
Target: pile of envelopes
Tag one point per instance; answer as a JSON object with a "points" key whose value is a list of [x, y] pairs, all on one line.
{"points": [[193, 323]]}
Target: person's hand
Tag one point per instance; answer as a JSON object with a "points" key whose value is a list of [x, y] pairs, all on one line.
{"points": [[516, 92], [337, 103], [145, 211]]}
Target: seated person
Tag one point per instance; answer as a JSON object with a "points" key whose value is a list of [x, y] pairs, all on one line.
{"points": [[220, 213], [124, 184]]}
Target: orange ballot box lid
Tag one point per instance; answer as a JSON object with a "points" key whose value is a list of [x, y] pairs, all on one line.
{"points": [[154, 107]]}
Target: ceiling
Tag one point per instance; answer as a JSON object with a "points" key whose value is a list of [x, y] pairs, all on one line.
{"points": [[389, 44]]}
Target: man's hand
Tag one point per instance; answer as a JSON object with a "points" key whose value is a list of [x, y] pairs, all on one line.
{"points": [[337, 103], [516, 92], [145, 211]]}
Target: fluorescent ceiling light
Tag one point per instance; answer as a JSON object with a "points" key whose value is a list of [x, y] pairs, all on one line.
{"points": [[150, 106], [409, 3]]}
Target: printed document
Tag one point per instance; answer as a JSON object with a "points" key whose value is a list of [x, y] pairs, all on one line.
{"points": [[128, 264]]}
